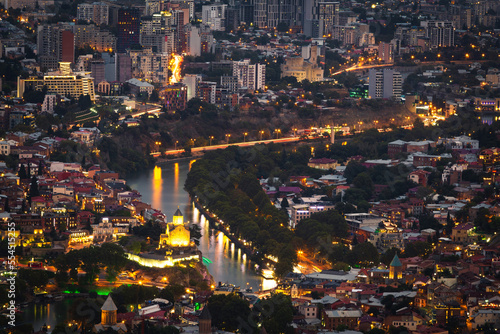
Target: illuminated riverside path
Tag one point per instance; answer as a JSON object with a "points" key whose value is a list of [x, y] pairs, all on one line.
{"points": [[163, 188], [243, 144]]}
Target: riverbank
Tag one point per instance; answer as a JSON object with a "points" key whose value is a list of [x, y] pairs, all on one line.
{"points": [[213, 223]]}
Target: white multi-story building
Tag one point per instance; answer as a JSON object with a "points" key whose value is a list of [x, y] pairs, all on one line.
{"points": [[101, 13], [97, 12], [191, 81], [304, 211], [384, 84], [440, 33], [49, 103], [249, 76], [85, 12], [214, 16], [154, 29]]}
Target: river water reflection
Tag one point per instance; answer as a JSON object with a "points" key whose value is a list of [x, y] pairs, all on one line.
{"points": [[163, 187]]}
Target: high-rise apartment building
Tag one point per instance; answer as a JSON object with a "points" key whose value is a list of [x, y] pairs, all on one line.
{"points": [[97, 70], [328, 17], [249, 76], [98, 38], [206, 91], [97, 12], [129, 20], [55, 43], [440, 33], [123, 67], [320, 17], [384, 84], [269, 13], [85, 12], [386, 52], [191, 82], [214, 16], [153, 30]]}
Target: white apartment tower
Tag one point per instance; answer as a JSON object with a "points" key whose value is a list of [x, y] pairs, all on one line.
{"points": [[440, 33], [249, 76], [214, 16], [384, 84], [97, 12]]}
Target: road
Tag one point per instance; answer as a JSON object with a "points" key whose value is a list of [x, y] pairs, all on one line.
{"points": [[364, 67], [435, 62], [243, 144], [307, 265]]}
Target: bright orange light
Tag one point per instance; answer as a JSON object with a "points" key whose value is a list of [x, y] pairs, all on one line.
{"points": [[175, 68]]}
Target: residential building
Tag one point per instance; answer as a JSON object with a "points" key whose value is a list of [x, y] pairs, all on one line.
{"points": [[328, 18], [396, 147], [460, 233], [440, 33], [191, 82], [140, 87], [97, 12], [386, 52], [55, 43], [323, 163], [384, 84], [332, 319], [153, 30], [214, 15], [49, 103], [128, 28], [96, 37], [123, 67], [174, 97], [250, 76], [4, 147]]}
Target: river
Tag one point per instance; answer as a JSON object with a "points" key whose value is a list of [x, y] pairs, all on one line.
{"points": [[163, 188]]}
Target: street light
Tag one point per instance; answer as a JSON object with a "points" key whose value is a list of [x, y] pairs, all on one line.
{"points": [[227, 138], [278, 131], [245, 136], [261, 133], [177, 142], [211, 137]]}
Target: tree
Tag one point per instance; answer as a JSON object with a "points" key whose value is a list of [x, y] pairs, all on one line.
{"points": [[417, 248], [364, 182], [282, 27], [154, 97], [84, 102], [276, 313], [34, 192], [365, 253], [40, 168], [284, 203], [228, 311], [22, 173], [195, 232]]}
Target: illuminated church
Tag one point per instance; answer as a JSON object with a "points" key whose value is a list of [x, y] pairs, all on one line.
{"points": [[108, 318], [175, 246], [177, 233]]}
